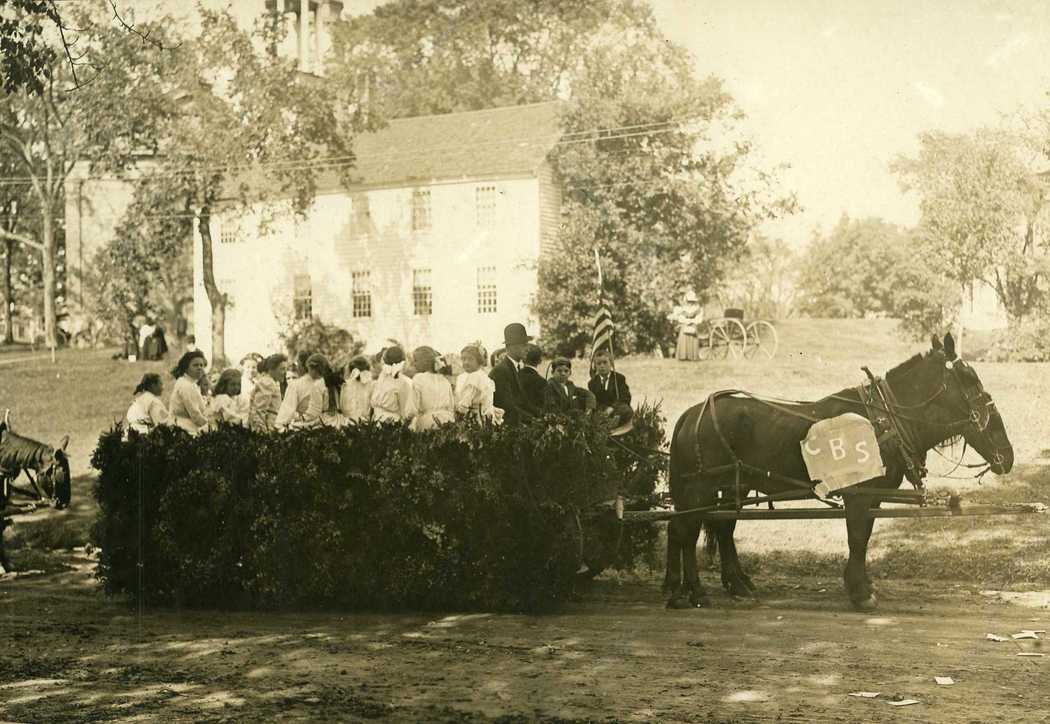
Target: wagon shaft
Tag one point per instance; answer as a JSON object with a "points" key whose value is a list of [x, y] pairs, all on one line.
{"points": [[652, 516]]}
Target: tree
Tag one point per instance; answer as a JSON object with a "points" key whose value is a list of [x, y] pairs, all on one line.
{"points": [[663, 200], [101, 124], [412, 58], [870, 268], [249, 132], [984, 212], [763, 280]]}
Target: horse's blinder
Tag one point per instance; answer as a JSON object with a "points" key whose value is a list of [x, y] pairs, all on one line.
{"points": [[979, 403]]}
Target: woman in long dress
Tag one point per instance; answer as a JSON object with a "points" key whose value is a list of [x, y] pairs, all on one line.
{"points": [[689, 318], [187, 404], [435, 401]]}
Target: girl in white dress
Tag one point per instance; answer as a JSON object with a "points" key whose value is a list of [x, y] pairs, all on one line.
{"points": [[225, 405], [475, 389], [435, 401], [306, 399], [392, 396], [355, 397], [186, 404], [147, 411]]}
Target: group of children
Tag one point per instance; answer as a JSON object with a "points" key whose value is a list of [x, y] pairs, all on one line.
{"points": [[420, 392]]}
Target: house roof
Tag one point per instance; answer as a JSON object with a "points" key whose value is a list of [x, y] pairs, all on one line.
{"points": [[507, 141]]}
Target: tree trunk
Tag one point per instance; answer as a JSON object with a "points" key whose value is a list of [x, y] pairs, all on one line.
{"points": [[9, 293], [216, 299], [49, 276]]}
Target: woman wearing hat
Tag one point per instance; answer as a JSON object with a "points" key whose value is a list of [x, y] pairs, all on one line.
{"points": [[689, 318], [306, 398]]}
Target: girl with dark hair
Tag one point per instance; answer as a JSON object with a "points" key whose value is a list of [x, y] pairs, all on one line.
{"points": [[223, 405], [355, 397], [392, 397], [147, 411], [186, 404], [266, 394]]}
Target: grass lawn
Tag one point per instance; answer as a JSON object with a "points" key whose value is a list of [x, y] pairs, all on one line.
{"points": [[85, 392]]}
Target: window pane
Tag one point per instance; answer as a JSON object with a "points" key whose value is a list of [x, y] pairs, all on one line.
{"points": [[361, 294], [485, 203], [303, 297], [487, 290], [420, 210], [422, 293]]}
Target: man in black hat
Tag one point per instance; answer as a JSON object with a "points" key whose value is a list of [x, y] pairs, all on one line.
{"points": [[509, 395]]}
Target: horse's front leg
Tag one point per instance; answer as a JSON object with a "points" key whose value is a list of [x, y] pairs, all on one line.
{"points": [[858, 529]]}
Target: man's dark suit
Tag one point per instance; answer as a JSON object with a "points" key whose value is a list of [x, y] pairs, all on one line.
{"points": [[533, 386], [509, 395]]}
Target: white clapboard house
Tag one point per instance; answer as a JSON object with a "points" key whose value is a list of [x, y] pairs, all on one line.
{"points": [[436, 242]]}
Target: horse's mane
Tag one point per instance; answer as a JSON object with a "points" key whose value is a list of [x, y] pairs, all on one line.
{"points": [[905, 365], [17, 452]]}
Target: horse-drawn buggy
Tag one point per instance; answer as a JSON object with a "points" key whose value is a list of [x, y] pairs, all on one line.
{"points": [[732, 336], [848, 452]]}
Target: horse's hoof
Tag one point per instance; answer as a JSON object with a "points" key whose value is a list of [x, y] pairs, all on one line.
{"points": [[679, 602], [866, 605]]}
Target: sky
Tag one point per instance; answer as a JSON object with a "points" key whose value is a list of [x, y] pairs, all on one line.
{"points": [[838, 89]]}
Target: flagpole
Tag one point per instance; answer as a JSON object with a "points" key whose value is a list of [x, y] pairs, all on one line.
{"points": [[601, 303]]}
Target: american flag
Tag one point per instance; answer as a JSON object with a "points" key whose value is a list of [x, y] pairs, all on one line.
{"points": [[603, 330]]}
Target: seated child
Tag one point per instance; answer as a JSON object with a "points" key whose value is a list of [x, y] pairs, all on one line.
{"points": [[561, 393], [610, 388], [435, 403], [474, 388], [392, 397], [355, 397], [224, 405]]}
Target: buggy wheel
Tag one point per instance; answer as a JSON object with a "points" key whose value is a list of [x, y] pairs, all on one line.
{"points": [[762, 340], [728, 339]]}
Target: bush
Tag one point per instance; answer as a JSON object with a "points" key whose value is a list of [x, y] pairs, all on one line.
{"points": [[366, 516], [314, 335]]}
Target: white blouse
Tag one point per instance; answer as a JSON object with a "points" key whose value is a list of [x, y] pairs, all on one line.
{"points": [[223, 408], [187, 405], [434, 401], [474, 394], [355, 399], [146, 413], [305, 400], [392, 398]]}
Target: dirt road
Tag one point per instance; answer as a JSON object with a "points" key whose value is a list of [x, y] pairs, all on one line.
{"points": [[616, 655]]}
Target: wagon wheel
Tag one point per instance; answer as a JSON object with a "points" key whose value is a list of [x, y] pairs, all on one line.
{"points": [[762, 340], [728, 339]]}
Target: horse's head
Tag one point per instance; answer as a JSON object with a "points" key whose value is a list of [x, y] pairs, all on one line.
{"points": [[965, 408], [54, 476]]}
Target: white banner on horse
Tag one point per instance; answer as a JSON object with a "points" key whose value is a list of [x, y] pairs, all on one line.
{"points": [[840, 452]]}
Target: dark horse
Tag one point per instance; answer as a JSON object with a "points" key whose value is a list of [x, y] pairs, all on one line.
{"points": [[46, 467], [931, 398]]}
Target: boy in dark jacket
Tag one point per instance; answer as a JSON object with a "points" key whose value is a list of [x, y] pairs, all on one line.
{"points": [[560, 395], [610, 388]]}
